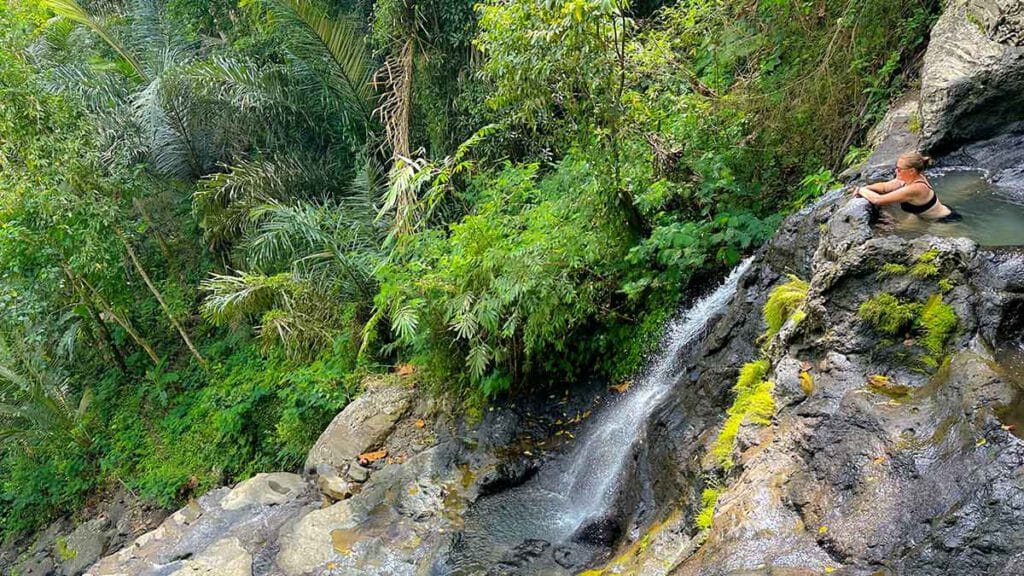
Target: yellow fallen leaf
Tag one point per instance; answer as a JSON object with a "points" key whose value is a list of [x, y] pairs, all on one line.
{"points": [[981, 442], [879, 380], [879, 460], [373, 456], [620, 388], [420, 423], [822, 529], [829, 569], [406, 369]]}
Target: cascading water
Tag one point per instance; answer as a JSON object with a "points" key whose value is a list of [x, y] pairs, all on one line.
{"points": [[540, 522]]}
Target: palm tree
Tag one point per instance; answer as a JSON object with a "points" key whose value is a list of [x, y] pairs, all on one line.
{"points": [[328, 253], [177, 132], [319, 102], [36, 402]]}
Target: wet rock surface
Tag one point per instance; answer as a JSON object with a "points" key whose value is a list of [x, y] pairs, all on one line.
{"points": [[67, 548], [361, 427], [852, 479], [392, 516], [973, 75]]}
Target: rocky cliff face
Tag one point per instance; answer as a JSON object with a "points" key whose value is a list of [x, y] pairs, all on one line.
{"points": [[973, 76], [891, 460]]}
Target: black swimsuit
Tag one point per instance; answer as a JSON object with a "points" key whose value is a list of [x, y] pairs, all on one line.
{"points": [[920, 209], [953, 215]]}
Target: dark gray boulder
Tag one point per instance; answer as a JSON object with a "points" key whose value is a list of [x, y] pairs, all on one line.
{"points": [[972, 83]]}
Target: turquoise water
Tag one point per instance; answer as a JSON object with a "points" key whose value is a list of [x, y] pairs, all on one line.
{"points": [[992, 216]]}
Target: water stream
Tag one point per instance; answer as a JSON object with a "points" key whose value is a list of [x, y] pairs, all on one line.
{"points": [[574, 509]]}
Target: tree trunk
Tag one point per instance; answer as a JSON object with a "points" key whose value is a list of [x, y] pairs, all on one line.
{"points": [[124, 323], [160, 299], [105, 337]]}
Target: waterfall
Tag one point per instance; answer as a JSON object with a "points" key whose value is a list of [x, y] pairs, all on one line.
{"points": [[582, 485], [602, 454]]}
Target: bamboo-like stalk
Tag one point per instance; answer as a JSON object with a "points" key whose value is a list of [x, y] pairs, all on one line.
{"points": [[123, 322], [159, 298]]}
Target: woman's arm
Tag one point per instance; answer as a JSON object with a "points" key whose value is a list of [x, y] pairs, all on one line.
{"points": [[885, 187], [901, 195]]}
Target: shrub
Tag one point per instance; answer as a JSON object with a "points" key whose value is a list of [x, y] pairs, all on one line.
{"points": [[507, 289]]}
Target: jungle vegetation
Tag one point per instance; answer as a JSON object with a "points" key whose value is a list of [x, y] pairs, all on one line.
{"points": [[216, 216]]}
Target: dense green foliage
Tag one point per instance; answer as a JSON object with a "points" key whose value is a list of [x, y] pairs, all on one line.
{"points": [[216, 215]]}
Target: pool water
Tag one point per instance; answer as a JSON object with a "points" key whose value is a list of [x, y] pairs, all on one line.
{"points": [[992, 216]]}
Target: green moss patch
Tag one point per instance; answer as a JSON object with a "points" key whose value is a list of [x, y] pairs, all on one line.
{"points": [[784, 301], [888, 314], [933, 321], [706, 516], [754, 402], [938, 320], [890, 269], [926, 266]]}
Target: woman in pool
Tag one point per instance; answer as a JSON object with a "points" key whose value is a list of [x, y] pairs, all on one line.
{"points": [[911, 189]]}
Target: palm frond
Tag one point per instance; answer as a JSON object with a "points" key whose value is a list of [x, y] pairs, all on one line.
{"points": [[230, 297], [305, 233], [301, 335], [338, 41], [34, 406], [168, 149], [72, 10], [230, 204]]}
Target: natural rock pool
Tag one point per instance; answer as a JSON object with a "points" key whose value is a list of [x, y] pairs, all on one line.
{"points": [[992, 215]]}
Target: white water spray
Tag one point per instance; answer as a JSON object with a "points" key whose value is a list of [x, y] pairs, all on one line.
{"points": [[581, 486], [598, 462]]}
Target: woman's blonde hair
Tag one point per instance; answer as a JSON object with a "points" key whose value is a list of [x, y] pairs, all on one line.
{"points": [[916, 160]]}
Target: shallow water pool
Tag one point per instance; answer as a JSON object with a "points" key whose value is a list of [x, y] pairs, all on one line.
{"points": [[992, 216]]}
